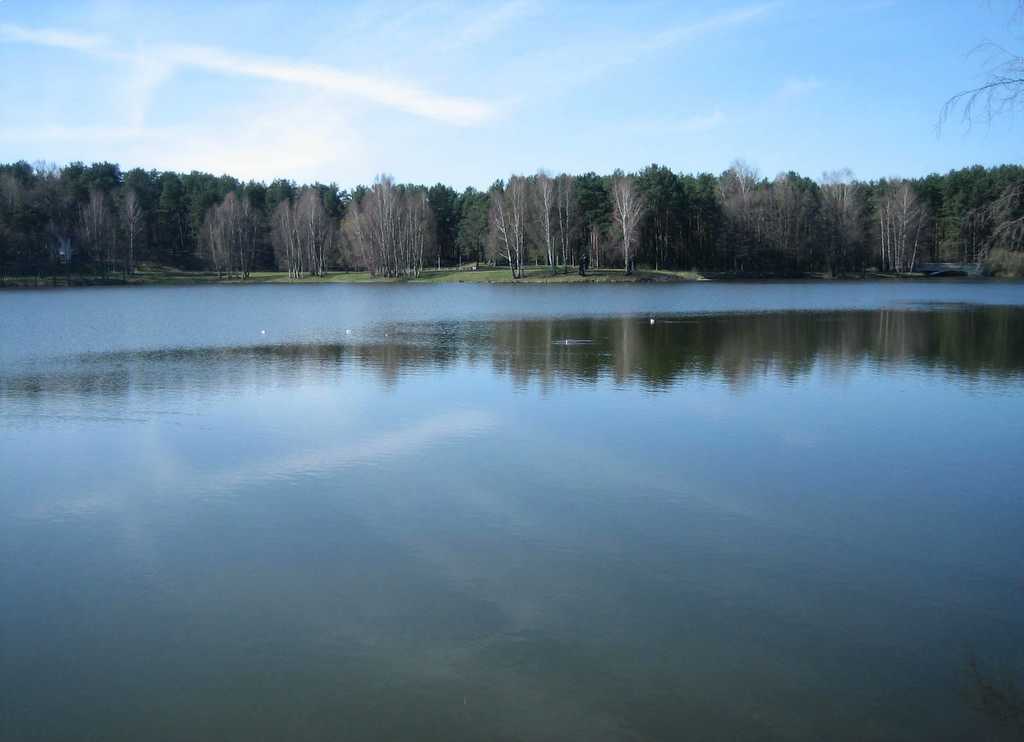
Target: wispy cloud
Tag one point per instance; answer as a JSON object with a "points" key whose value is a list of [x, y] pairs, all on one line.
{"points": [[558, 67], [404, 97], [680, 34], [163, 60], [51, 37], [487, 24]]}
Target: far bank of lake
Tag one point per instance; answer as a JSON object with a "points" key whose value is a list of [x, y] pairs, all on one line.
{"points": [[466, 274]]}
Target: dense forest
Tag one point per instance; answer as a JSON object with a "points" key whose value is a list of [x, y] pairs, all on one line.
{"points": [[99, 221]]}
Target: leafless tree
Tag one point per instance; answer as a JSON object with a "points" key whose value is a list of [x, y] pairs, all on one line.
{"points": [[215, 240], [285, 238], [566, 199], [599, 243], [627, 207], [232, 216], [132, 222], [508, 222], [390, 227], [96, 228], [416, 228], [63, 212], [371, 225], [841, 209], [789, 218], [228, 236], [738, 193], [1003, 91], [544, 203], [740, 180], [10, 192], [901, 217], [1007, 217], [247, 230], [315, 230]]}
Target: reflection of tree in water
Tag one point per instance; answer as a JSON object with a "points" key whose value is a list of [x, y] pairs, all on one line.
{"points": [[740, 348], [972, 343]]}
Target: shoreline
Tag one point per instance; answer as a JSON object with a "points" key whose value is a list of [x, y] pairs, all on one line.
{"points": [[483, 275]]}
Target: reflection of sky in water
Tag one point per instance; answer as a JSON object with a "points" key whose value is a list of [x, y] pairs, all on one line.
{"points": [[745, 526]]}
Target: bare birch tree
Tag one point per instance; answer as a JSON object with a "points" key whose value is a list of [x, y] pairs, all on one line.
{"points": [[628, 207], [841, 210], [231, 218], [544, 203], [417, 228], [214, 241], [790, 210], [315, 230], [566, 199], [737, 189], [1006, 215], [132, 221], [901, 218], [285, 237], [96, 230], [390, 227], [247, 230], [508, 222], [229, 235]]}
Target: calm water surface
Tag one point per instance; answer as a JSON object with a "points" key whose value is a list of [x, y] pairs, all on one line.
{"points": [[781, 511]]}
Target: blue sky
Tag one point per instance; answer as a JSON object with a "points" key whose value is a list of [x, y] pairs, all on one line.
{"points": [[468, 92]]}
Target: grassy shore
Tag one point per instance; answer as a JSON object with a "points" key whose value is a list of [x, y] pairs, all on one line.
{"points": [[161, 276], [157, 276]]}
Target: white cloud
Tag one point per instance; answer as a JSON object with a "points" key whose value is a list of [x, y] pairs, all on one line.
{"points": [[142, 79], [404, 97], [159, 62], [300, 137], [558, 67], [488, 24], [51, 37], [690, 31]]}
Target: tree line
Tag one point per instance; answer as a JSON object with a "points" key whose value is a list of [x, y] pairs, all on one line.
{"points": [[98, 220]]}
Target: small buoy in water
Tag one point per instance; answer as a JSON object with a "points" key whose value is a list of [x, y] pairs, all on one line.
{"points": [[263, 332], [348, 332], [652, 320]]}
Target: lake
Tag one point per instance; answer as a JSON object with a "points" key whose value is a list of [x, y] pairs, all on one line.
{"points": [[786, 511]]}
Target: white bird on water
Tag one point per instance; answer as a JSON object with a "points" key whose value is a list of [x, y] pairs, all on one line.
{"points": [[263, 332], [652, 320]]}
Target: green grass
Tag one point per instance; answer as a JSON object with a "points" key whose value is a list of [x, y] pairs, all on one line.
{"points": [[153, 275], [161, 276], [544, 275]]}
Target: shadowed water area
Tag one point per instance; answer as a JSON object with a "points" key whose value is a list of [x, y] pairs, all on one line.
{"points": [[780, 511]]}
